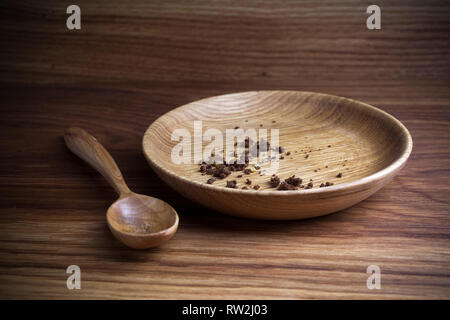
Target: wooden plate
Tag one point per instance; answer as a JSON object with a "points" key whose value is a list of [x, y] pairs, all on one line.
{"points": [[367, 145]]}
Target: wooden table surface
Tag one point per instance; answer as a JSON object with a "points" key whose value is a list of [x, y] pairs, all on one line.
{"points": [[133, 61]]}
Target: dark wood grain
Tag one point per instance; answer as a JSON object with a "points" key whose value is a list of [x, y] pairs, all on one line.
{"points": [[132, 62]]}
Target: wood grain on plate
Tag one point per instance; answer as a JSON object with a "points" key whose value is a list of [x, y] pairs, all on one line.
{"points": [[131, 63], [324, 138]]}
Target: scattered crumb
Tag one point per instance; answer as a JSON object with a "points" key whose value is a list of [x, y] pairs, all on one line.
{"points": [[293, 181], [326, 184], [274, 181], [232, 184], [286, 186]]}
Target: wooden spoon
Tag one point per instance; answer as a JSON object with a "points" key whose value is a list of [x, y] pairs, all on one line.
{"points": [[139, 221]]}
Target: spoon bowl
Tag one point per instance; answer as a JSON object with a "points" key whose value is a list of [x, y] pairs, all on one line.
{"points": [[142, 222], [139, 221]]}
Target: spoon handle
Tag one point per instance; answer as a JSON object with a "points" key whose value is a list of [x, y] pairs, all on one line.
{"points": [[90, 150]]}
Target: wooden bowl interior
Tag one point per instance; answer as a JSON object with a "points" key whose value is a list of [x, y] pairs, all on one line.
{"points": [[339, 135]]}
